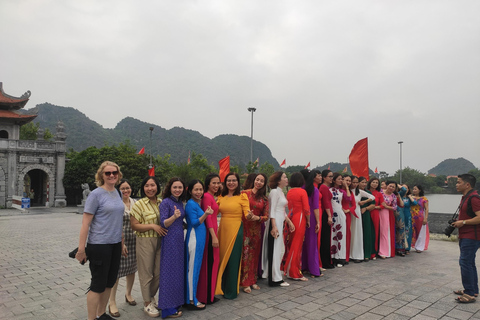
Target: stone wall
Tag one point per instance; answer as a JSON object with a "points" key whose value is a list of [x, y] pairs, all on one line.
{"points": [[437, 222]]}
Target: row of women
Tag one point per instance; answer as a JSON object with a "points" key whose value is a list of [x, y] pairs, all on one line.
{"points": [[325, 220]]}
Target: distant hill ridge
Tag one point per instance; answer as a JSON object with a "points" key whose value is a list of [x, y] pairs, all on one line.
{"points": [[452, 167], [83, 132]]}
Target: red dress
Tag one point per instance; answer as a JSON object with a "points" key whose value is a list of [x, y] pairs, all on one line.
{"points": [[299, 212], [252, 236], [348, 215], [375, 215]]}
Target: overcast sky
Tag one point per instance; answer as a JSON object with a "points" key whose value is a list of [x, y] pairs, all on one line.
{"points": [[322, 74]]}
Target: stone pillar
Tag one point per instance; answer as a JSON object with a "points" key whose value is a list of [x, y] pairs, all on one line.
{"points": [[60, 149], [12, 175], [60, 198]]}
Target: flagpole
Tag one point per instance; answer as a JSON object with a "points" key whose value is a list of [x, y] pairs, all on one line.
{"points": [[150, 165], [252, 110]]}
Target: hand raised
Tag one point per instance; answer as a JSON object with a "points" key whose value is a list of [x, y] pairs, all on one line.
{"points": [[209, 210], [177, 212]]}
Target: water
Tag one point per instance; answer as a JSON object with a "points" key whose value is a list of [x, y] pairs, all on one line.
{"points": [[443, 203]]}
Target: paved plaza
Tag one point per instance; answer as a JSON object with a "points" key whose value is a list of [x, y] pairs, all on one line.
{"points": [[39, 281]]}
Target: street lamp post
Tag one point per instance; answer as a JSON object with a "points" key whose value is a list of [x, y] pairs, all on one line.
{"points": [[252, 110], [150, 166], [400, 143]]}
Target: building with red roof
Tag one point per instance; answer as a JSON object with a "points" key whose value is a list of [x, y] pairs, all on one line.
{"points": [[29, 169]]}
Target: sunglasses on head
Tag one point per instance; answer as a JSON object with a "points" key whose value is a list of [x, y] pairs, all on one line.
{"points": [[108, 173]]}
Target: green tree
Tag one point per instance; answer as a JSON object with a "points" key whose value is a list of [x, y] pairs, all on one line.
{"points": [[197, 169], [267, 169], [452, 183], [292, 169], [251, 167], [29, 132], [163, 168], [82, 166], [411, 177]]}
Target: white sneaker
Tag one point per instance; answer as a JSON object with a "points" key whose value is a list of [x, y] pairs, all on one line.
{"points": [[151, 310], [284, 284]]}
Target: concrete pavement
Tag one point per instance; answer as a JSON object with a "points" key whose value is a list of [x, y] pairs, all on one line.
{"points": [[39, 281]]}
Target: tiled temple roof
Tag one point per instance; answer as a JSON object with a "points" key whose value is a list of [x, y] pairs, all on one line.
{"points": [[8, 102]]}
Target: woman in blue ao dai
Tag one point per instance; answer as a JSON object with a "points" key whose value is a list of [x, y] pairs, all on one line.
{"points": [[194, 242], [172, 258]]}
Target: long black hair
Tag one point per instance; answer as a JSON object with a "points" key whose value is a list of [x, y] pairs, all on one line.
{"points": [[309, 187], [357, 189]]}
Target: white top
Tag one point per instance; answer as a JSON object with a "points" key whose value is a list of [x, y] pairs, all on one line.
{"points": [[278, 202]]}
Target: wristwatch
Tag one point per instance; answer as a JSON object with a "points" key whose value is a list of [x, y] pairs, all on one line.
{"points": [[464, 221]]}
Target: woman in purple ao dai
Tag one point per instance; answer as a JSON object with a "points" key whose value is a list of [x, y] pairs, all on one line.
{"points": [[172, 275]]}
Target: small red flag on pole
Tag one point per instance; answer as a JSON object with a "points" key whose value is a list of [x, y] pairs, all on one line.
{"points": [[328, 167], [284, 162], [151, 172], [376, 171], [308, 165], [142, 151], [345, 170], [224, 165]]}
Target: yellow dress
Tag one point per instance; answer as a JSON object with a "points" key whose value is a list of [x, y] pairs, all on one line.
{"points": [[230, 237]]}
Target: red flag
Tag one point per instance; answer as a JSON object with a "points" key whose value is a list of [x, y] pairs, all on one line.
{"points": [[151, 172], [345, 170], [256, 162], [328, 167], [308, 165], [376, 171], [359, 158], [142, 151], [284, 162], [224, 165]]}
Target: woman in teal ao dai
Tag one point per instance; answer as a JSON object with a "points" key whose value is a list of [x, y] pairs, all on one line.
{"points": [[194, 242]]}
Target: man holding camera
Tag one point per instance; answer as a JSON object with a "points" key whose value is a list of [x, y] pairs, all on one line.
{"points": [[469, 234]]}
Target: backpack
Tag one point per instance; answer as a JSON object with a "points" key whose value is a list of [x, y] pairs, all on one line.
{"points": [[469, 205]]}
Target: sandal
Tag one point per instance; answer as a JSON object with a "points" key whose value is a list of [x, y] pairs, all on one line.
{"points": [[247, 290], [465, 298], [460, 292], [255, 286], [300, 279], [175, 315]]}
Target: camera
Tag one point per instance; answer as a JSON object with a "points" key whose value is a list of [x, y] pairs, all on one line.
{"points": [[449, 229]]}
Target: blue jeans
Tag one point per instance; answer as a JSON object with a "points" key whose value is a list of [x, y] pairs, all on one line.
{"points": [[468, 250]]}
